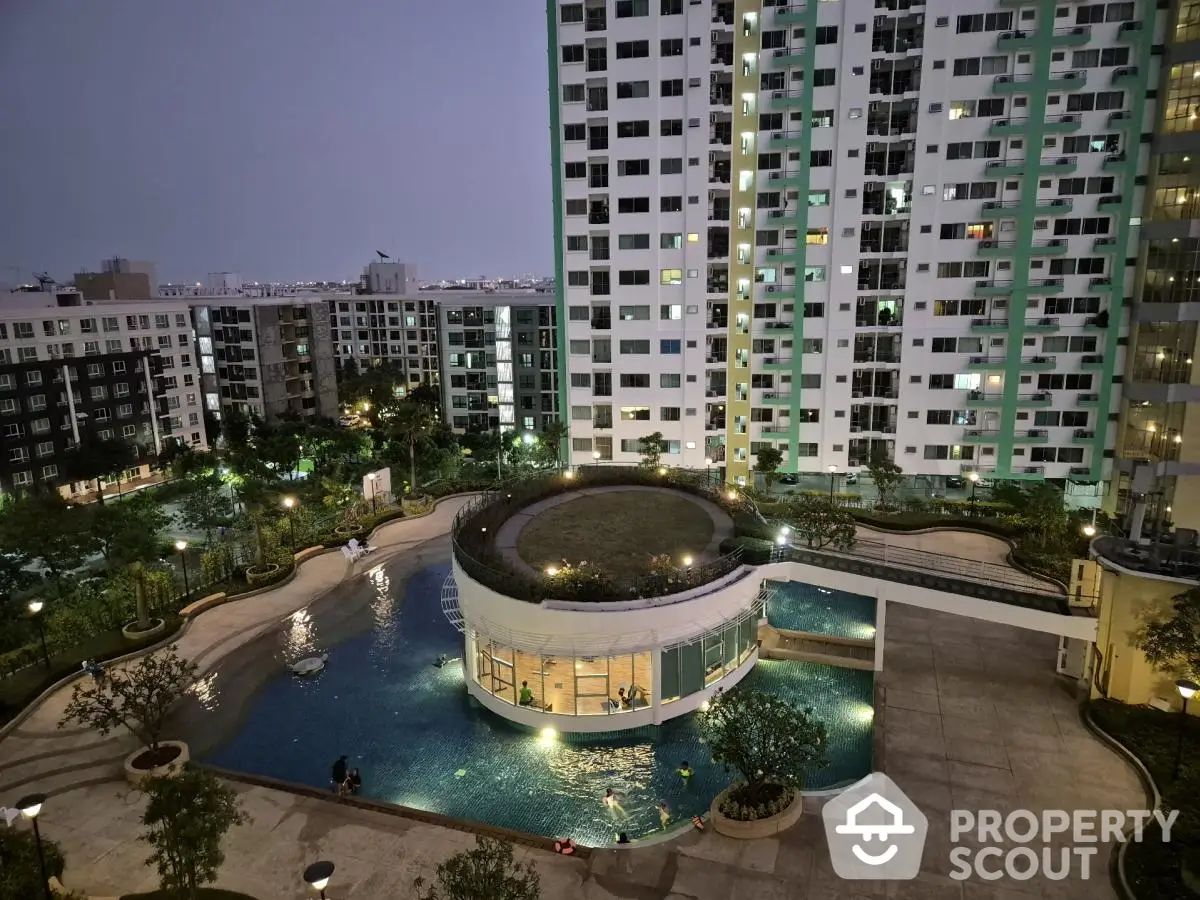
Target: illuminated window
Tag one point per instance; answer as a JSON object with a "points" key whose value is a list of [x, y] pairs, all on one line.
{"points": [[671, 276]]}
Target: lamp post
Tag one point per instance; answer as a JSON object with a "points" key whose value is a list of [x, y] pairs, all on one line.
{"points": [[35, 610], [708, 470], [973, 477], [181, 546], [317, 876], [832, 476], [596, 458], [290, 504], [371, 476], [1186, 690], [30, 807]]}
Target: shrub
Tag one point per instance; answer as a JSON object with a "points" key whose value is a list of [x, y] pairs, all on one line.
{"points": [[486, 872], [20, 873]]}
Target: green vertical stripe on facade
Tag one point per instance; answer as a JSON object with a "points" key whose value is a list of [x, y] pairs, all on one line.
{"points": [[560, 285], [1131, 144], [1026, 213], [801, 260]]}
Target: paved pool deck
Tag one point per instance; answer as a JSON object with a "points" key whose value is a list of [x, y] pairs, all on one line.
{"points": [[971, 715]]}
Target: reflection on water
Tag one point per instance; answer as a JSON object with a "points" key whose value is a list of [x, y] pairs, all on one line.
{"points": [[299, 639], [383, 607], [205, 691]]}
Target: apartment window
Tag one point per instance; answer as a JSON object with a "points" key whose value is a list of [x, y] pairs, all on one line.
{"points": [[574, 279], [634, 380], [636, 348], [571, 14], [670, 166], [670, 127], [632, 49], [671, 8], [671, 47], [633, 313], [671, 276], [824, 77], [629, 9], [633, 277], [632, 90], [633, 129], [670, 347], [572, 53], [633, 167], [670, 312], [577, 243], [670, 204], [629, 205], [671, 87], [984, 22]]}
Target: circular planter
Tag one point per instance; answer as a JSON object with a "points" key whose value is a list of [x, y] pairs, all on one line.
{"points": [[759, 828], [256, 576], [138, 767], [348, 531], [131, 632]]}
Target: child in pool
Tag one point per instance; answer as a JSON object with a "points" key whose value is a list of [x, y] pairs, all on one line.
{"points": [[614, 804], [664, 814]]}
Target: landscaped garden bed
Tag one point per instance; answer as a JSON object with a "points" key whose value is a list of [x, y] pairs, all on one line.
{"points": [[1155, 869]]}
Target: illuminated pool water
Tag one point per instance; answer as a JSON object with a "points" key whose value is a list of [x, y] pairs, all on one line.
{"points": [[804, 607], [421, 742]]}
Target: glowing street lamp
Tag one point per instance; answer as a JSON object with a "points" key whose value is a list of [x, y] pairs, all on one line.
{"points": [[290, 504], [832, 476], [1187, 689], [371, 477], [30, 806], [181, 546], [317, 876], [35, 610]]}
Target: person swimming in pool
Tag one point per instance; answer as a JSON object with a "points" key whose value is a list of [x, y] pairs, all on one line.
{"points": [[685, 770], [664, 814], [614, 804]]}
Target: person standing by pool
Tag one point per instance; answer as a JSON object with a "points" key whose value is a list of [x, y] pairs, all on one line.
{"points": [[338, 775], [664, 814]]}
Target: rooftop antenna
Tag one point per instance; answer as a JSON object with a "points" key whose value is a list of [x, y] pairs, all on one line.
{"points": [[382, 255]]}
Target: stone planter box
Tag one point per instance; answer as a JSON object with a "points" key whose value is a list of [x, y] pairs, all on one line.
{"points": [[135, 775], [759, 828], [204, 603], [257, 576], [131, 632]]}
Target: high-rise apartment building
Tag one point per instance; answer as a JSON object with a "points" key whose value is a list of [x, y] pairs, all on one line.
{"points": [[840, 228], [1158, 442]]}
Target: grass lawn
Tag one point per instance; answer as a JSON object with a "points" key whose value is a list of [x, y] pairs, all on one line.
{"points": [[1152, 866], [619, 531], [18, 690]]}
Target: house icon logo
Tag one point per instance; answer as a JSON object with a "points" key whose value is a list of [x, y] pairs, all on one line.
{"points": [[874, 831]]}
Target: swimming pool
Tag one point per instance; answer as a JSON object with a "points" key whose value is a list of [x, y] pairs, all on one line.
{"points": [[796, 606], [421, 742]]}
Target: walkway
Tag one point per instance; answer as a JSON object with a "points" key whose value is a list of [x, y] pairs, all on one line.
{"points": [[971, 715], [510, 531]]}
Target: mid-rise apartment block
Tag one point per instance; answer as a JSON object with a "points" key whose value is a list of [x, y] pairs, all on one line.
{"points": [[844, 228], [371, 329], [499, 360], [267, 355], [133, 373]]}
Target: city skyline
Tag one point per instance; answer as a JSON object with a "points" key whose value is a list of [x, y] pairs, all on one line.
{"points": [[279, 165]]}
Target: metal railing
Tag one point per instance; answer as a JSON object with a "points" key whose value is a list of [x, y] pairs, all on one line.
{"points": [[477, 525]]}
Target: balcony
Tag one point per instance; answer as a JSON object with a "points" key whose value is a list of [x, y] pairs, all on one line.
{"points": [[773, 433], [1045, 286], [1031, 436], [993, 288], [1125, 75], [781, 216], [1011, 84], [986, 363], [789, 15], [1008, 127], [774, 398], [786, 179], [1102, 283], [985, 400], [988, 326], [775, 363], [995, 249], [1012, 41], [999, 209], [1062, 165], [1129, 32], [1065, 124], [1058, 206], [776, 253], [1114, 162], [1075, 36], [1087, 400], [1039, 363], [1082, 436], [1052, 247], [781, 140], [785, 100], [1105, 245], [1043, 325], [1120, 119], [785, 58], [1110, 204], [1091, 362], [1072, 80], [1000, 168]]}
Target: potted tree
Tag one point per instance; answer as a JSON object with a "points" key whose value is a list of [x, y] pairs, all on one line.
{"points": [[186, 819], [771, 745], [486, 872], [143, 626], [137, 697]]}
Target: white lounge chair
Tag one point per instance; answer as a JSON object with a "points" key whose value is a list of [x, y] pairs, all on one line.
{"points": [[8, 816], [349, 554], [359, 549]]}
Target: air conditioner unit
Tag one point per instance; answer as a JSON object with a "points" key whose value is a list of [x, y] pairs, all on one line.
{"points": [[858, 395], [855, 429], [770, 288]]}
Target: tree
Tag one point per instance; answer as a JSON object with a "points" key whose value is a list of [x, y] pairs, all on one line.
{"points": [[98, 458], [767, 740], [767, 464], [819, 522], [46, 527], [886, 475], [186, 818], [486, 872], [137, 697], [651, 447], [548, 450], [427, 396], [1173, 644], [408, 425], [20, 873], [1046, 517], [129, 530], [207, 505]]}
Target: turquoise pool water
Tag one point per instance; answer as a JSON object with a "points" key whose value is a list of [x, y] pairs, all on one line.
{"points": [[804, 607], [421, 742]]}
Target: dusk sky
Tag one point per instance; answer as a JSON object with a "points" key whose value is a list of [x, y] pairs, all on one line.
{"points": [[281, 139]]}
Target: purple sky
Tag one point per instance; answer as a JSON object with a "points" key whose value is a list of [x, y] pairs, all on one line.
{"points": [[282, 139]]}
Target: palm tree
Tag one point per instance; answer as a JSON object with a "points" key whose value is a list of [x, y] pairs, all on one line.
{"points": [[409, 424]]}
